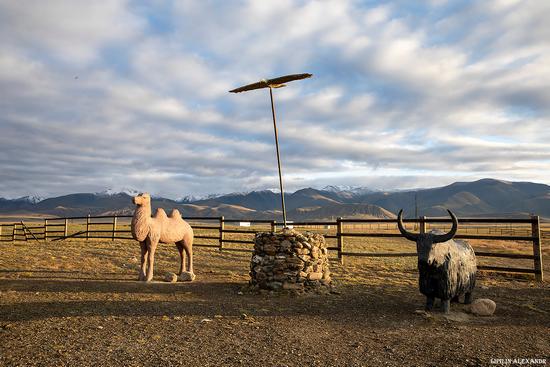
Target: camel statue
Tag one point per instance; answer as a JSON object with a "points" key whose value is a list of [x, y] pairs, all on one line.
{"points": [[149, 231]]}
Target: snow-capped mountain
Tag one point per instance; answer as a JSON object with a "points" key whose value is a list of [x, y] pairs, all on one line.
{"points": [[124, 190], [350, 191], [192, 198], [32, 199]]}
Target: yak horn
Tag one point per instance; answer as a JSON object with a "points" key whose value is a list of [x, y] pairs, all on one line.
{"points": [[448, 236], [408, 235]]}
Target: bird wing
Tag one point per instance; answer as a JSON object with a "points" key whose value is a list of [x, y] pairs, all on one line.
{"points": [[275, 82]]}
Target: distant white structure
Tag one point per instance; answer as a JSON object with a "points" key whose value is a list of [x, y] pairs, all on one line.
{"points": [[244, 224]]}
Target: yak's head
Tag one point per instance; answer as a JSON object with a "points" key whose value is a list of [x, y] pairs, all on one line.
{"points": [[142, 199], [426, 242]]}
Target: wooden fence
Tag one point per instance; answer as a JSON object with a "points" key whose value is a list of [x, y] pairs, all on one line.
{"points": [[217, 228]]}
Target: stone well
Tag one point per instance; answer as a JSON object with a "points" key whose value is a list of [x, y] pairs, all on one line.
{"points": [[289, 260]]}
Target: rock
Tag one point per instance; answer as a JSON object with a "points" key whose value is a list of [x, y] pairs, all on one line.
{"points": [[170, 277], [483, 307], [315, 276], [275, 285], [457, 316], [293, 286], [286, 243], [187, 276]]}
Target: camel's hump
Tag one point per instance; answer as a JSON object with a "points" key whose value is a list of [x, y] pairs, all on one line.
{"points": [[175, 214], [160, 213]]}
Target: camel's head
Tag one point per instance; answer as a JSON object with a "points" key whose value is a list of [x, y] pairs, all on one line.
{"points": [[141, 199]]}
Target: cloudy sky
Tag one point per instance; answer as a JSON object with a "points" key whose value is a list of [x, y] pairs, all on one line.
{"points": [[115, 94]]}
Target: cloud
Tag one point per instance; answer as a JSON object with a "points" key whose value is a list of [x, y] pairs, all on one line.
{"points": [[70, 31], [134, 94]]}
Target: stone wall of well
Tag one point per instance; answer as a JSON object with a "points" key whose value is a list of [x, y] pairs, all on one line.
{"points": [[289, 260]]}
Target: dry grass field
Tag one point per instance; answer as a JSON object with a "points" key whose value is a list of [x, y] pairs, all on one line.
{"points": [[76, 303]]}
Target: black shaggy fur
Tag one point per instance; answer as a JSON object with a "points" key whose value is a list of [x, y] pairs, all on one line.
{"points": [[447, 270], [454, 276]]}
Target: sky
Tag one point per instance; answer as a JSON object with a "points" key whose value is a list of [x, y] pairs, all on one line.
{"points": [[118, 94]]}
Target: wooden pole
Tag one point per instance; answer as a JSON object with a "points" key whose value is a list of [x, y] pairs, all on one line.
{"points": [[25, 230], [422, 224], [221, 235], [87, 227], [537, 252], [45, 229], [278, 157], [114, 227], [13, 232], [273, 226], [23, 227], [66, 228], [340, 235]]}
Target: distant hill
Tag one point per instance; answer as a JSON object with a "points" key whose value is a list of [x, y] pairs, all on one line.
{"points": [[332, 211], [486, 197]]}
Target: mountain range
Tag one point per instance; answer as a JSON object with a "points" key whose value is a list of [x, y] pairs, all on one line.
{"points": [[482, 198]]}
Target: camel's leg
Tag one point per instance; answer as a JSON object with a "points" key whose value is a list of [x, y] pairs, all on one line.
{"points": [[189, 252], [143, 267], [180, 245], [151, 247]]}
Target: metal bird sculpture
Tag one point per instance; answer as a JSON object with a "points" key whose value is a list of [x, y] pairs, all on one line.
{"points": [[274, 83], [271, 83]]}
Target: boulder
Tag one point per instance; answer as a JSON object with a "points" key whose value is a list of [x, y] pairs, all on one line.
{"points": [[483, 307], [170, 277], [187, 276]]}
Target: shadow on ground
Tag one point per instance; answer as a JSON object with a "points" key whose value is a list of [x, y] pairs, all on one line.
{"points": [[392, 304]]}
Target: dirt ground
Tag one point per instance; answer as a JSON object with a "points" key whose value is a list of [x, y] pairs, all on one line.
{"points": [[76, 303]]}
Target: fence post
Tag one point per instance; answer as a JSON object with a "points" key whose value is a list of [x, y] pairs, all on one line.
{"points": [[222, 227], [537, 253], [1, 226], [66, 228], [340, 235], [423, 224], [13, 232], [24, 231], [114, 227], [273, 226], [45, 229], [87, 227]]}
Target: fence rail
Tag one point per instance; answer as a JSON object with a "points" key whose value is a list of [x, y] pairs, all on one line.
{"points": [[58, 229]]}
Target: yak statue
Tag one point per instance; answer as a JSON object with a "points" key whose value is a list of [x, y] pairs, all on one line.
{"points": [[447, 268]]}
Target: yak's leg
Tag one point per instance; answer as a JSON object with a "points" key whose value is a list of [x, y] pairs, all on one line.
{"points": [[179, 245], [151, 248], [455, 299], [429, 303], [446, 304], [468, 298], [143, 266]]}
